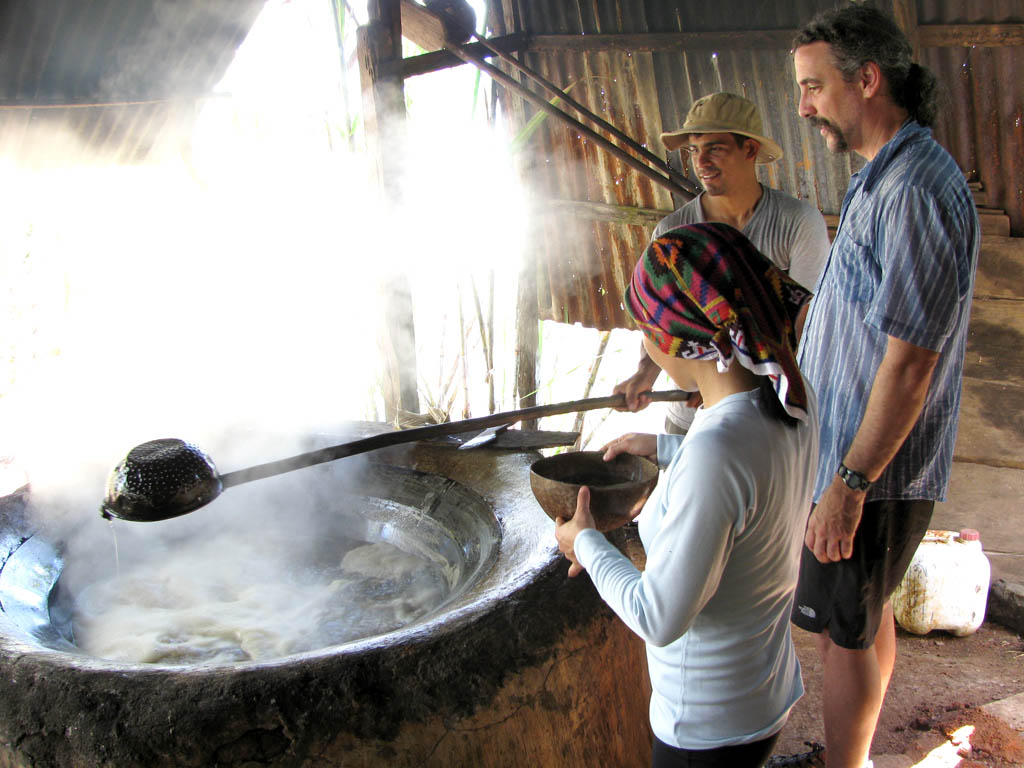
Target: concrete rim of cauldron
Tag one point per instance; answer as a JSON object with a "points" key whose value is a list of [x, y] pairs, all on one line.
{"points": [[369, 688]]}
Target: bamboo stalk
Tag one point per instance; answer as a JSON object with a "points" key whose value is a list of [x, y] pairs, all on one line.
{"points": [[591, 378], [584, 442], [462, 343], [446, 386], [492, 406], [341, 8], [483, 336]]}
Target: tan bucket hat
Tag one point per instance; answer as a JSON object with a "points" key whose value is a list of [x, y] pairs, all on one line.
{"points": [[724, 113]]}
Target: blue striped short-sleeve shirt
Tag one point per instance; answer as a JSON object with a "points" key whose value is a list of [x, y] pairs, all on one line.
{"points": [[902, 264]]}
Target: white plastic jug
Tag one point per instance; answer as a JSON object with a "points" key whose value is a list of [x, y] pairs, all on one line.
{"points": [[945, 586]]}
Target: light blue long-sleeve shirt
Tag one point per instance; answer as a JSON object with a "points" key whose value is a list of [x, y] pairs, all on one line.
{"points": [[722, 532]]}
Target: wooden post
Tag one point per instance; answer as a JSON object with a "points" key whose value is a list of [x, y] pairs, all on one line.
{"points": [[527, 329], [905, 13], [380, 53], [527, 310]]}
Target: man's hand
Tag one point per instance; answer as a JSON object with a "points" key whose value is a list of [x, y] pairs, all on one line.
{"points": [[566, 530], [833, 523], [633, 388], [635, 443]]}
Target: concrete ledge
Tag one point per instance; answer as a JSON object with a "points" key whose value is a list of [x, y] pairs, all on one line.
{"points": [[1006, 604], [1009, 710]]}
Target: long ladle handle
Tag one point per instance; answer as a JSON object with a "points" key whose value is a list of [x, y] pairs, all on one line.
{"points": [[398, 437]]}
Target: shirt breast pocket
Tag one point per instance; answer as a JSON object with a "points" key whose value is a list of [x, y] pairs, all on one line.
{"points": [[857, 273]]}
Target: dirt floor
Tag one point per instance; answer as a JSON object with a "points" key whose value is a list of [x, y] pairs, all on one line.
{"points": [[938, 683]]}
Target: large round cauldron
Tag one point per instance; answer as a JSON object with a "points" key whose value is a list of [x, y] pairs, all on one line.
{"points": [[520, 666]]}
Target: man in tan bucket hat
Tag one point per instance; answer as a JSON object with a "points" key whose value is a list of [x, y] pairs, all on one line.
{"points": [[724, 113], [725, 141]]}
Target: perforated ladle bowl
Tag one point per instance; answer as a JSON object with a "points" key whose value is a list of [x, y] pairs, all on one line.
{"points": [[169, 477], [161, 479]]}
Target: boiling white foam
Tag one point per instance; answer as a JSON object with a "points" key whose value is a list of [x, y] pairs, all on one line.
{"points": [[252, 608]]}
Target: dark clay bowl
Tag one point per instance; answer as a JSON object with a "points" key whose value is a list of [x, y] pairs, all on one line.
{"points": [[618, 488]]}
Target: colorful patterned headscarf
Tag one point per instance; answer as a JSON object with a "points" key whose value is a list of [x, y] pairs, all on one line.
{"points": [[704, 292]]}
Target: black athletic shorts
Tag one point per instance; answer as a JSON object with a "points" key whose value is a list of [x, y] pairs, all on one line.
{"points": [[739, 756], [846, 598]]}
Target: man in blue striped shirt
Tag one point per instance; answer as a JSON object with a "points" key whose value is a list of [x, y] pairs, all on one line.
{"points": [[883, 348]]}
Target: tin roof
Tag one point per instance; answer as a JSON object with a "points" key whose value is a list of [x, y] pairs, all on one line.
{"points": [[113, 74]]}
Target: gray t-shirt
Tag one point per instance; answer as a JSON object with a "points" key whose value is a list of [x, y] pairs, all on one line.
{"points": [[790, 232]]}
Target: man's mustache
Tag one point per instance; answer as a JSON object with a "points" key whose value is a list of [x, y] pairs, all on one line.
{"points": [[821, 122], [841, 144]]}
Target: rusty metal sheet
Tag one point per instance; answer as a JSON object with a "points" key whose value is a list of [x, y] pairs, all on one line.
{"points": [[982, 123], [583, 263]]}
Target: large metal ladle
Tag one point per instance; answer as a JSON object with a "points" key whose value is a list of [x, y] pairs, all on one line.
{"points": [[169, 477]]}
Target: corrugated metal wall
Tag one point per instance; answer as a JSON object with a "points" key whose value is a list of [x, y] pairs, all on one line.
{"points": [[583, 261], [982, 124], [147, 62]]}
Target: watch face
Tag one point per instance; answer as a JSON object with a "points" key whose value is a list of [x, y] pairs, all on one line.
{"points": [[854, 480]]}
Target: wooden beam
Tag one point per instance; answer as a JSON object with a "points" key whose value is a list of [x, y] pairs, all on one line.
{"points": [[929, 35], [524, 440], [660, 42], [438, 60], [966, 35], [421, 26], [431, 30]]}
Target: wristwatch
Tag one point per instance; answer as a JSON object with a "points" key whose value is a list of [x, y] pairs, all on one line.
{"points": [[854, 480]]}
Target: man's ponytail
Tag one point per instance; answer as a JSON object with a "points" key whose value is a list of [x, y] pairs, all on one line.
{"points": [[921, 94]]}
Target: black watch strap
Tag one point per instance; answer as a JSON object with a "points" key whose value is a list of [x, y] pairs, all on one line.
{"points": [[854, 480]]}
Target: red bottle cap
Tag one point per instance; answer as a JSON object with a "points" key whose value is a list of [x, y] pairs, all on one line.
{"points": [[969, 534]]}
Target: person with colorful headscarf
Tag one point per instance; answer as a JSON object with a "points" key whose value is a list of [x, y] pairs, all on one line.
{"points": [[724, 139], [724, 527]]}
